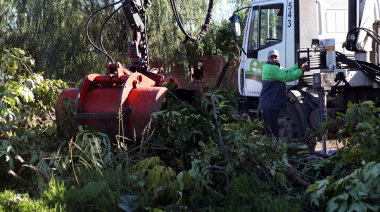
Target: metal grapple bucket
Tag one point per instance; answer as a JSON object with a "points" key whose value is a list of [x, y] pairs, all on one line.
{"points": [[118, 104]]}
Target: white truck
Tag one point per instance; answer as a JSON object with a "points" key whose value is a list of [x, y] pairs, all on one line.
{"points": [[339, 38]]}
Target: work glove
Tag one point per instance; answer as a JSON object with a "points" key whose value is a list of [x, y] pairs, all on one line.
{"points": [[302, 61]]}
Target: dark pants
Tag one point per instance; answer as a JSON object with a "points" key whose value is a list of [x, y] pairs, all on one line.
{"points": [[270, 118]]}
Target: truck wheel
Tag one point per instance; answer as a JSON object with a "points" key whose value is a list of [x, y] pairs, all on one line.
{"points": [[289, 124]]}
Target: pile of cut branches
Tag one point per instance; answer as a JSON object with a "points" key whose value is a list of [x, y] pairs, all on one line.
{"points": [[195, 156]]}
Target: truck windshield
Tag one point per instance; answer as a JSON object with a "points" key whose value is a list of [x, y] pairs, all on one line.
{"points": [[271, 25]]}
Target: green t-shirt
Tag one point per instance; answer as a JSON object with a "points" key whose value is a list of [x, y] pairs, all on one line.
{"points": [[273, 72]]}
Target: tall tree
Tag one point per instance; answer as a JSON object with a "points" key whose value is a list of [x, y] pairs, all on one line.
{"points": [[54, 33]]}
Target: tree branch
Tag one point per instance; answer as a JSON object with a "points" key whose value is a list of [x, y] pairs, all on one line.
{"points": [[223, 72], [298, 162], [290, 174], [11, 172], [220, 133], [258, 165], [311, 152], [38, 170]]}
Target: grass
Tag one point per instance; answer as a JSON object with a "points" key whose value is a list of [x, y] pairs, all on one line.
{"points": [[247, 193]]}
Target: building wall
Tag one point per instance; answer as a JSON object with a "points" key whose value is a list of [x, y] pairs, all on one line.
{"points": [[212, 67]]}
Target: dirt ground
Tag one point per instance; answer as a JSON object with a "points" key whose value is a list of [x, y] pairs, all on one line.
{"points": [[330, 143]]}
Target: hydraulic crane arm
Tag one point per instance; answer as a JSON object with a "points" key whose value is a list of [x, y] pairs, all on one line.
{"points": [[138, 50]]}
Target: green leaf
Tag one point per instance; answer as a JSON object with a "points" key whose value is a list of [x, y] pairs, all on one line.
{"points": [[92, 190], [127, 203], [364, 188], [12, 101], [324, 125], [314, 199], [312, 187], [29, 83], [34, 158], [374, 208], [354, 207], [322, 183], [174, 185], [350, 116], [370, 164], [206, 88], [349, 105], [332, 205], [25, 94], [186, 181], [321, 190], [343, 207], [170, 86], [75, 194], [176, 113], [214, 89], [361, 194], [366, 175]]}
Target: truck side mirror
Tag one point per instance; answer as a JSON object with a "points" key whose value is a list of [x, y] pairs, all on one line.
{"points": [[235, 19]]}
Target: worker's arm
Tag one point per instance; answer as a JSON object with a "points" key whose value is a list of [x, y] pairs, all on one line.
{"points": [[282, 74]]}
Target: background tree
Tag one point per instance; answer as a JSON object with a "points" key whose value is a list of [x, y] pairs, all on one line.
{"points": [[53, 32]]}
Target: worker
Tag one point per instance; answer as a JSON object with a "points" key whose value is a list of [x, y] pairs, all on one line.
{"points": [[197, 73], [273, 93]]}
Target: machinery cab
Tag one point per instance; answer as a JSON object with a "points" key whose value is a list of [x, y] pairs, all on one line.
{"points": [[267, 26]]}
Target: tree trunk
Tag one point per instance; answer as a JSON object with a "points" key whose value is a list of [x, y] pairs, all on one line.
{"points": [[223, 72]]}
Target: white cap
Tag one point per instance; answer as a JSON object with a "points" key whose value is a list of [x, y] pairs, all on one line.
{"points": [[273, 52]]}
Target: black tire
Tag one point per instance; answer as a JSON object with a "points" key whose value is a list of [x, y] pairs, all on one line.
{"points": [[289, 124]]}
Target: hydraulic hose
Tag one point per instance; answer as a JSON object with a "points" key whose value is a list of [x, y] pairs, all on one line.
{"points": [[204, 28], [88, 37], [101, 30]]}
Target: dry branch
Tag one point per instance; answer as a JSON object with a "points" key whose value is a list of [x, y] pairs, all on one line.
{"points": [[38, 170], [11, 172]]}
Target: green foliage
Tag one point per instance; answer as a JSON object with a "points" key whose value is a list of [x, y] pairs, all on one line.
{"points": [[26, 109], [131, 203], [91, 147], [16, 62], [251, 194], [346, 181], [197, 136], [165, 186], [51, 200], [358, 191], [361, 127], [200, 155], [27, 121]]}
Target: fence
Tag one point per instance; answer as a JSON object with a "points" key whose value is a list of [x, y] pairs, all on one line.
{"points": [[212, 67]]}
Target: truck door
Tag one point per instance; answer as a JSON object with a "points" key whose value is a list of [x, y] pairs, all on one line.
{"points": [[265, 30]]}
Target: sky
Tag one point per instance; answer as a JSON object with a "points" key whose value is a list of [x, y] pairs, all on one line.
{"points": [[222, 11]]}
